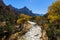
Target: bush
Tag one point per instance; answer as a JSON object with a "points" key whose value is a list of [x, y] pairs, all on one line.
{"points": [[9, 28]]}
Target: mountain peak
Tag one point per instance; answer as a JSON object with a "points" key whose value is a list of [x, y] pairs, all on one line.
{"points": [[1, 0], [2, 3], [24, 8], [26, 11], [10, 5]]}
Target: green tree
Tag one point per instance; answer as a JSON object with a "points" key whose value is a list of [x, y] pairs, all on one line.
{"points": [[9, 28]]}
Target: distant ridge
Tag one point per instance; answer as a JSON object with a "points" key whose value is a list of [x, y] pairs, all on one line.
{"points": [[16, 11]]}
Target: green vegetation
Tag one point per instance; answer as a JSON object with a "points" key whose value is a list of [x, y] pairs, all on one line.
{"points": [[54, 21], [50, 21]]}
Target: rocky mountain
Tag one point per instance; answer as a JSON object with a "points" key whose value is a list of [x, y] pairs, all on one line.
{"points": [[17, 11], [26, 11], [23, 10], [2, 3]]}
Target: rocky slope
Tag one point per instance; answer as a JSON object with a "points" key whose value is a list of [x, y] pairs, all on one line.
{"points": [[34, 32]]}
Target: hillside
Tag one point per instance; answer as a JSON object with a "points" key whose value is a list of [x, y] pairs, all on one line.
{"points": [[16, 23]]}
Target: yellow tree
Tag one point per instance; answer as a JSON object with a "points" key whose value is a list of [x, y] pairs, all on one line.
{"points": [[54, 11], [37, 19], [23, 18]]}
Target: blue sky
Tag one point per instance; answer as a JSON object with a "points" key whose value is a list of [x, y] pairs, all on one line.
{"points": [[37, 6]]}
